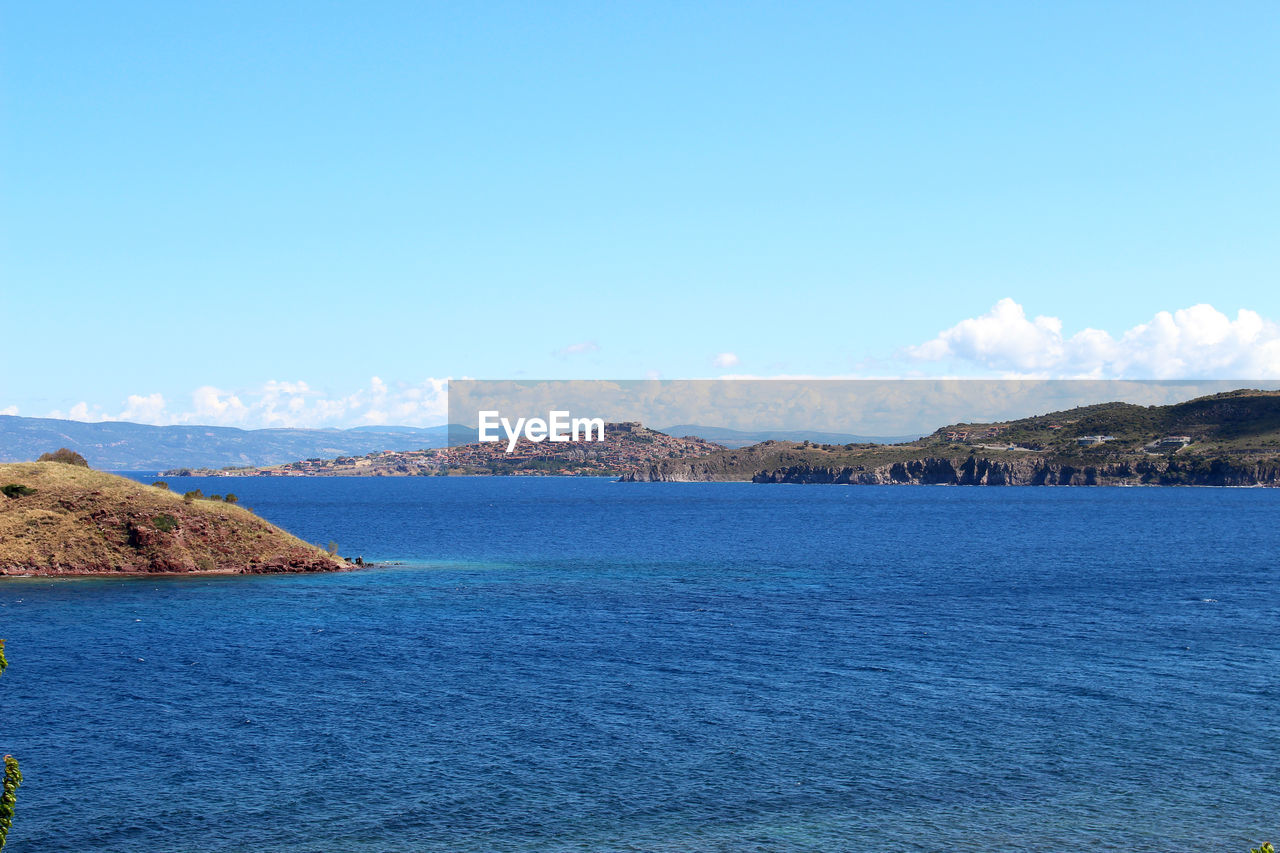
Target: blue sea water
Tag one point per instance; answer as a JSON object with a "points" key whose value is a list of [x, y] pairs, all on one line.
{"points": [[561, 664]]}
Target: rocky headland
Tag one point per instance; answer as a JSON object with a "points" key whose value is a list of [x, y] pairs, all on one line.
{"points": [[60, 519], [1228, 439]]}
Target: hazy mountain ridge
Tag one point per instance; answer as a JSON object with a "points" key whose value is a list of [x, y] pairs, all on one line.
{"points": [[124, 446]]}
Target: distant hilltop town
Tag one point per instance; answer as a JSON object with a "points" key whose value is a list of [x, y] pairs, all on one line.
{"points": [[626, 447]]}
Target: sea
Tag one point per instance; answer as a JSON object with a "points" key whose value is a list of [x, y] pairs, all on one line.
{"points": [[566, 664]]}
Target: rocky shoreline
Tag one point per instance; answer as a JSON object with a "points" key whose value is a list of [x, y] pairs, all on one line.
{"points": [[979, 471], [273, 567]]}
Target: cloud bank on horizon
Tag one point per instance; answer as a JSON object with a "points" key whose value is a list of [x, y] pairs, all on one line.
{"points": [[281, 404], [1198, 342]]}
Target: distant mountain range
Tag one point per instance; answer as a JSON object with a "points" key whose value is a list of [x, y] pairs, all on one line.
{"points": [[123, 446]]}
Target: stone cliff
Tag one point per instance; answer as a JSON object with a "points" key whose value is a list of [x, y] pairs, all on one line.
{"points": [[977, 471]]}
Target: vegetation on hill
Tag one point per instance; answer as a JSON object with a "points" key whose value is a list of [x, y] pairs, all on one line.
{"points": [[65, 519], [1236, 422], [12, 778], [1224, 439], [65, 456]]}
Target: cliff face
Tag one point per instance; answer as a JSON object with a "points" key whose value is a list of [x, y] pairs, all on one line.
{"points": [[978, 471], [58, 519]]}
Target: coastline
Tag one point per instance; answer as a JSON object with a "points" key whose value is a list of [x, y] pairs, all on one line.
{"points": [[8, 572]]}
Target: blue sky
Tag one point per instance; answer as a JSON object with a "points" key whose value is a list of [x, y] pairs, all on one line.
{"points": [[269, 213]]}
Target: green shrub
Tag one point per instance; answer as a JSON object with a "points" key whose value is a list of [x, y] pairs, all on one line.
{"points": [[332, 547], [12, 779], [193, 495], [9, 797], [161, 484], [230, 498], [65, 456], [14, 490], [165, 523]]}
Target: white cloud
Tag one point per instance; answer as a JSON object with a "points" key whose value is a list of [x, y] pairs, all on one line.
{"points": [[146, 409], [1192, 343], [283, 404], [82, 411], [726, 360], [9, 410], [213, 406], [581, 348]]}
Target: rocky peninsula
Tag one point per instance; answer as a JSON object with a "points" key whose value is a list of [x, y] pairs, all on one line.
{"points": [[62, 519]]}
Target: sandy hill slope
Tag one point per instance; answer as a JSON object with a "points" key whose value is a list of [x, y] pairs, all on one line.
{"points": [[63, 519]]}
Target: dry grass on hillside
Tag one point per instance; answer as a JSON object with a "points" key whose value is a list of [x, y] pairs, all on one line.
{"points": [[79, 521]]}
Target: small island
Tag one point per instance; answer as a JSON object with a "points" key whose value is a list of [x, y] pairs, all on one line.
{"points": [[66, 519]]}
